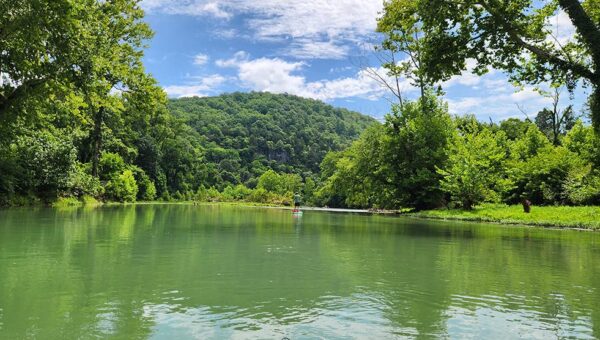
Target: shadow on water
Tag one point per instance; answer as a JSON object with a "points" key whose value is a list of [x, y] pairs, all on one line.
{"points": [[182, 271]]}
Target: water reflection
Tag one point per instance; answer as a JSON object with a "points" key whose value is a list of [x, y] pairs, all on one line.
{"points": [[177, 271]]}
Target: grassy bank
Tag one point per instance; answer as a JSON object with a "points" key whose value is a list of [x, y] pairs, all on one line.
{"points": [[550, 216]]}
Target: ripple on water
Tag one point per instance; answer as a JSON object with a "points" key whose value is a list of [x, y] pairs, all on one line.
{"points": [[359, 315], [499, 317]]}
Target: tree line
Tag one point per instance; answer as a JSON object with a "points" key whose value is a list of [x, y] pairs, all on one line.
{"points": [[80, 119], [421, 157]]}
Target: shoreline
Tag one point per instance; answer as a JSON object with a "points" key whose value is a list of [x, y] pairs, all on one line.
{"points": [[584, 218]]}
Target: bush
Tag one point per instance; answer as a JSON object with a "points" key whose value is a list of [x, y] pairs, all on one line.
{"points": [[201, 194], [63, 202], [259, 195], [582, 186], [240, 192], [279, 183], [45, 163], [82, 183], [474, 167], [542, 178], [122, 188], [110, 165], [213, 195], [89, 201], [146, 188]]}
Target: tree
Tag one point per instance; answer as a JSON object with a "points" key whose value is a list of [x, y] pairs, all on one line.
{"points": [[52, 48], [405, 38], [475, 166], [115, 41], [554, 122], [356, 177], [41, 42], [416, 144], [394, 165], [513, 35], [514, 128]]}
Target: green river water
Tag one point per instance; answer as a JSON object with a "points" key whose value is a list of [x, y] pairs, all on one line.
{"points": [[222, 272]]}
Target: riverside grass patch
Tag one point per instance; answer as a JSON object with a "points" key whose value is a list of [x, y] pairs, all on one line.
{"points": [[585, 217]]}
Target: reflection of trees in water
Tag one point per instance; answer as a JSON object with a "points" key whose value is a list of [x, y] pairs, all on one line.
{"points": [[88, 272]]}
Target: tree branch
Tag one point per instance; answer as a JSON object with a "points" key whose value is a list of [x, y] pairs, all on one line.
{"points": [[587, 29], [541, 53], [19, 91]]}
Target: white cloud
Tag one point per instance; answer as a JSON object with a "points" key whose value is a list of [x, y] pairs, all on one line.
{"points": [[201, 87], [187, 7], [308, 49], [468, 77], [501, 105], [201, 59], [280, 76], [561, 28], [225, 33], [319, 28]]}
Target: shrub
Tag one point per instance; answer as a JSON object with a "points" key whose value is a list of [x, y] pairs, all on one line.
{"points": [[582, 186], [89, 201], [82, 183], [213, 195], [110, 165], [259, 195], [542, 178], [201, 194], [122, 188], [146, 188], [62, 202], [474, 167]]}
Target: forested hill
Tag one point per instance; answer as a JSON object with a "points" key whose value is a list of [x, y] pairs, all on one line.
{"points": [[245, 134]]}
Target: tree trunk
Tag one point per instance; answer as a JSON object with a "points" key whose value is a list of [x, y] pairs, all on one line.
{"points": [[595, 108], [97, 140], [587, 29]]}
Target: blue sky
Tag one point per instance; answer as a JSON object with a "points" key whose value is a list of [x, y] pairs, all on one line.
{"points": [[311, 48]]}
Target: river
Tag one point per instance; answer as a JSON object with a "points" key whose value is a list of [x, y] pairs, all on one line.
{"points": [[222, 272]]}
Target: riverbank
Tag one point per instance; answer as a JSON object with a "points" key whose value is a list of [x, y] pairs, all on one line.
{"points": [[585, 217], [548, 216]]}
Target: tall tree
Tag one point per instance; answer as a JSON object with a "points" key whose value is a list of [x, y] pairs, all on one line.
{"points": [[116, 41], [513, 35], [403, 37], [52, 50], [555, 122], [475, 166]]}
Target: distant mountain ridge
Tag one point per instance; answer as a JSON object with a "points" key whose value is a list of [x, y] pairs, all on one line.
{"points": [[246, 134]]}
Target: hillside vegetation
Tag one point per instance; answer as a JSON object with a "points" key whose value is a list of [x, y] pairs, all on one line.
{"points": [[246, 134], [193, 148]]}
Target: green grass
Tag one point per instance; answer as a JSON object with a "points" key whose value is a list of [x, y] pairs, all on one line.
{"points": [[63, 202], [549, 216]]}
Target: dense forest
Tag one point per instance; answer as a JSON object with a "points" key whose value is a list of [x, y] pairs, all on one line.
{"points": [[81, 119], [245, 134], [209, 144], [424, 158]]}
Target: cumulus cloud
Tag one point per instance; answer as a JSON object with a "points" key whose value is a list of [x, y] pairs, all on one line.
{"points": [[187, 7], [199, 87], [281, 76], [500, 104], [317, 28]]}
